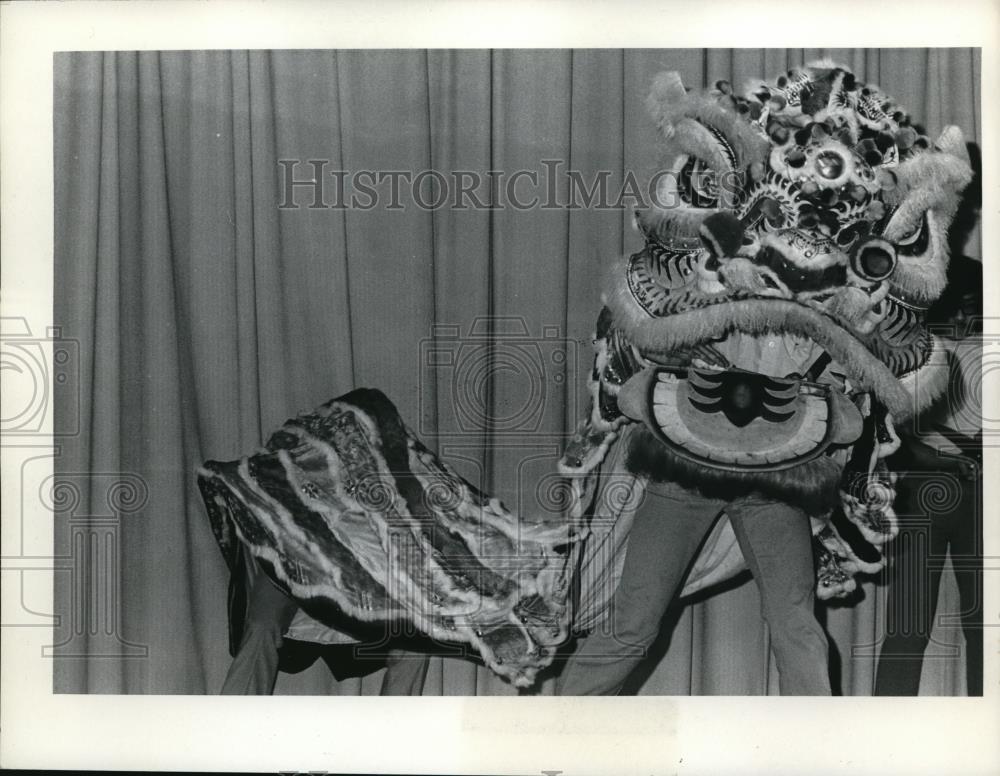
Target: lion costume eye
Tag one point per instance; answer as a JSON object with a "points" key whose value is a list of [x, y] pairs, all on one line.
{"points": [[874, 260], [698, 184], [916, 241], [920, 273]]}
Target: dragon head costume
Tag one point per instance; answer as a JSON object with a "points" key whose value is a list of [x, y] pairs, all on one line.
{"points": [[772, 330]]}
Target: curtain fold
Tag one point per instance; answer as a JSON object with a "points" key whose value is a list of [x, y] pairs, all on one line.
{"points": [[207, 314]]}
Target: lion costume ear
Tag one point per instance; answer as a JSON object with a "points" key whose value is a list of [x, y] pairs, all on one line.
{"points": [[952, 141], [665, 98]]}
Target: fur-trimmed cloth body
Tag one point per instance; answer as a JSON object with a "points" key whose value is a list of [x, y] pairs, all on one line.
{"points": [[352, 516]]}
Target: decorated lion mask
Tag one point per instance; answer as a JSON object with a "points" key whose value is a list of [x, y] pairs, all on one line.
{"points": [[817, 194]]}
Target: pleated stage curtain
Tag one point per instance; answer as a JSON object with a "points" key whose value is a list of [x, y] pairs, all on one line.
{"points": [[207, 315]]}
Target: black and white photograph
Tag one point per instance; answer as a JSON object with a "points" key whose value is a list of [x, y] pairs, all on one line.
{"points": [[525, 371]]}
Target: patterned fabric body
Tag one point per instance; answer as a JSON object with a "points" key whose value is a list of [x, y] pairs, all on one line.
{"points": [[351, 515]]}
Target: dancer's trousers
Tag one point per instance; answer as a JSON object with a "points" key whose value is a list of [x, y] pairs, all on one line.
{"points": [[668, 529]]}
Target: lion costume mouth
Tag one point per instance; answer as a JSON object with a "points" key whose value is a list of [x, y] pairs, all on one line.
{"points": [[716, 319]]}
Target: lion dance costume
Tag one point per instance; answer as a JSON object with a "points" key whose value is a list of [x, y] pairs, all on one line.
{"points": [[753, 358], [751, 362]]}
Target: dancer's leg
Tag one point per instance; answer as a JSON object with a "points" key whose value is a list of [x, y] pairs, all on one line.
{"points": [[914, 579], [776, 541], [667, 530], [405, 672], [254, 670]]}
